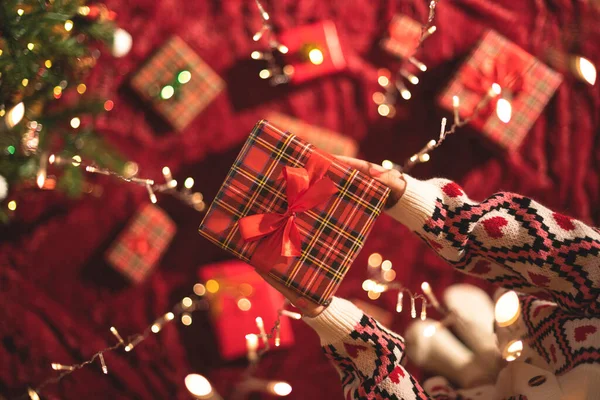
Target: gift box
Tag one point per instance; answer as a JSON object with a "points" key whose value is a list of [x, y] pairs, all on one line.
{"points": [[294, 212], [404, 35], [324, 139], [238, 295], [313, 51], [138, 248], [525, 82], [177, 83]]}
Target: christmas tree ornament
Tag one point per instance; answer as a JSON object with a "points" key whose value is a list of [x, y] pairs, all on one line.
{"points": [[3, 188], [139, 247], [241, 301], [177, 83], [324, 139], [294, 212], [502, 89], [122, 42], [31, 138]]}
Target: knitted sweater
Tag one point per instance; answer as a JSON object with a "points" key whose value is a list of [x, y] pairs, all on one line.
{"points": [[514, 242]]}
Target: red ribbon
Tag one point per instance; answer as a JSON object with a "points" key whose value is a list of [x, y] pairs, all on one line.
{"points": [[506, 70], [306, 188]]}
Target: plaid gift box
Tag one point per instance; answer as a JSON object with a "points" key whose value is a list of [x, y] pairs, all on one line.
{"points": [[313, 51], [138, 248], [404, 36], [324, 139], [238, 296], [525, 81], [178, 83], [294, 212]]}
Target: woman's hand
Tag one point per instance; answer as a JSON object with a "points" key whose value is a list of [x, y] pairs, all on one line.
{"points": [[392, 179]]}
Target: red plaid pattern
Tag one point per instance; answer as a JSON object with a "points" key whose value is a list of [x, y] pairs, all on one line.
{"points": [[404, 36], [237, 280], [299, 41], [190, 98], [540, 84], [332, 233], [324, 139], [138, 248]]}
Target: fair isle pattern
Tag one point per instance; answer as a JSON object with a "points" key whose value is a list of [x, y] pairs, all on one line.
{"points": [[538, 250], [564, 340], [369, 364]]}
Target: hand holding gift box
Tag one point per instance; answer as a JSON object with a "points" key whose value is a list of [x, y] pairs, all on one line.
{"points": [[293, 212]]}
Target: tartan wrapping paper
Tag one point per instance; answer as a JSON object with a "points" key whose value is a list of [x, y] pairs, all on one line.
{"points": [[332, 233], [404, 36], [190, 98], [299, 41], [142, 243], [324, 139], [540, 84], [230, 323]]}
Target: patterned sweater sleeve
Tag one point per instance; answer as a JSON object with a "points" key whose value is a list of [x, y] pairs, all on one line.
{"points": [[366, 355], [509, 240]]}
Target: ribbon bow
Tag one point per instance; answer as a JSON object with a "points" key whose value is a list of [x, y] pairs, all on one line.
{"points": [[306, 188]]}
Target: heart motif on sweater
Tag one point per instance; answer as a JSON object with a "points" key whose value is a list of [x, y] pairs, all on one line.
{"points": [[396, 374], [352, 349], [564, 222], [482, 267], [539, 280], [452, 190], [493, 226], [582, 332]]}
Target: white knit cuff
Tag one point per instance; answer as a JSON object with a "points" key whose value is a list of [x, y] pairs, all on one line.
{"points": [[416, 204], [336, 322]]}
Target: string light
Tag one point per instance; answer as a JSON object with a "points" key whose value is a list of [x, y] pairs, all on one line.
{"points": [[20, 12], [252, 346], [15, 115], [423, 310], [291, 314], [413, 309], [585, 70], [103, 364], [25, 82], [75, 123], [507, 309], [68, 25], [81, 88], [12, 205], [316, 56], [513, 350], [30, 46], [400, 301], [199, 387]]}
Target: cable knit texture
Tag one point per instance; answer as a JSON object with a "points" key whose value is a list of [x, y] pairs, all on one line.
{"points": [[507, 239]]}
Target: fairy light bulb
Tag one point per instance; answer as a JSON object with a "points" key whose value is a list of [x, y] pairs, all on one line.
{"points": [[281, 389], [122, 42], [384, 110], [413, 309], [383, 80], [400, 301], [264, 74], [375, 260], [189, 183], [495, 90], [316, 56], [198, 385], [68, 25], [504, 110], [513, 350], [251, 346], [507, 309], [256, 55], [405, 93], [585, 70], [423, 310], [75, 123], [15, 115], [387, 164]]}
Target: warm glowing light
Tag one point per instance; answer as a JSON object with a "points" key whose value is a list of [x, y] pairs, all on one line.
{"points": [[291, 314], [507, 309], [184, 77], [48, 64], [186, 302], [586, 70], [155, 328], [373, 295], [109, 105], [399, 301], [387, 164], [389, 276], [289, 70], [405, 93], [11, 149], [212, 286], [378, 97], [20, 12], [198, 385], [375, 260], [76, 161], [281, 389], [30, 46], [413, 79], [75, 123], [252, 341], [41, 178], [12, 205], [383, 110], [368, 285], [25, 82], [283, 49], [52, 159], [455, 101], [30, 392], [424, 157], [68, 25], [264, 74], [122, 42], [383, 81], [504, 110], [186, 319], [496, 89], [316, 56], [57, 92], [513, 350], [189, 183], [15, 115], [379, 288], [81, 88], [169, 316], [386, 265], [256, 55], [429, 330], [199, 289], [167, 92], [244, 304]]}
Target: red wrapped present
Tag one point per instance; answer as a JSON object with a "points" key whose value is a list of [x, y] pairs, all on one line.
{"points": [[142, 243], [238, 295], [324, 139], [178, 83], [524, 80], [313, 51], [404, 34], [294, 212]]}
